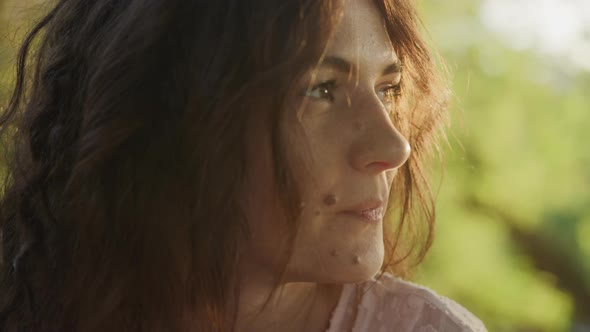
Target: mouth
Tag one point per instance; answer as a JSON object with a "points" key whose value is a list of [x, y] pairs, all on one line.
{"points": [[370, 216], [370, 211]]}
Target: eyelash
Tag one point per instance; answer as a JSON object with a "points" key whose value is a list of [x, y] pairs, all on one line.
{"points": [[392, 92], [328, 86]]}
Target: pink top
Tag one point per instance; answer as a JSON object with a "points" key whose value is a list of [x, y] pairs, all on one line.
{"points": [[392, 304]]}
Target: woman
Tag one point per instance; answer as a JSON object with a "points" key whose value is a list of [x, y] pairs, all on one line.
{"points": [[222, 166]]}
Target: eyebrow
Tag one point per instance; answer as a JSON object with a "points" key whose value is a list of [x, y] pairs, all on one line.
{"points": [[345, 66]]}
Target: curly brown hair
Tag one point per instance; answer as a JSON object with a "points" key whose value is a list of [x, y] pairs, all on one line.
{"points": [[125, 140]]}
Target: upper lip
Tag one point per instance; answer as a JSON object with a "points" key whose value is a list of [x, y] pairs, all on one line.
{"points": [[369, 204]]}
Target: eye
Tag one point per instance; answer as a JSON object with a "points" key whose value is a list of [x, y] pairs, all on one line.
{"points": [[389, 93], [324, 90]]}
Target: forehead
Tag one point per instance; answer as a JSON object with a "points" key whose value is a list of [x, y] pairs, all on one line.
{"points": [[361, 35]]}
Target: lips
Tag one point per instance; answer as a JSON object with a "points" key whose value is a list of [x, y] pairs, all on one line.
{"points": [[372, 214], [371, 210], [369, 204]]}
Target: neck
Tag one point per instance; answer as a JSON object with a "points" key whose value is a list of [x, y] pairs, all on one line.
{"points": [[294, 306]]}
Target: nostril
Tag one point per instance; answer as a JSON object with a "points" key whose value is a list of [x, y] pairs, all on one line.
{"points": [[380, 166], [379, 149]]}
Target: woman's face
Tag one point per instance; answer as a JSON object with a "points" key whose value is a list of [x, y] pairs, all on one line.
{"points": [[344, 152]]}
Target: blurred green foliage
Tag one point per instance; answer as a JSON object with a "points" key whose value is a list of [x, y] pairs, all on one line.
{"points": [[513, 234]]}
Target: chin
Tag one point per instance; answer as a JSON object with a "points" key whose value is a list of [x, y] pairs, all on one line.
{"points": [[362, 265], [362, 272], [353, 271], [337, 260]]}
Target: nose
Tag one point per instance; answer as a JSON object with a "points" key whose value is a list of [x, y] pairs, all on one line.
{"points": [[379, 145]]}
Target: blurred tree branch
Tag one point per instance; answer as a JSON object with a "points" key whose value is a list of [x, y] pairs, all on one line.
{"points": [[546, 255]]}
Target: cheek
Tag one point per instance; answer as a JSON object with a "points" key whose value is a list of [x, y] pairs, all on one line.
{"points": [[267, 246], [330, 248], [260, 204]]}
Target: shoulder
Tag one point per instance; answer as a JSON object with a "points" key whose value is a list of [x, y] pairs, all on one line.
{"points": [[388, 303], [428, 307]]}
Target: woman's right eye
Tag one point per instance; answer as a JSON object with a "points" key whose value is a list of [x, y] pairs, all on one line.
{"points": [[324, 90]]}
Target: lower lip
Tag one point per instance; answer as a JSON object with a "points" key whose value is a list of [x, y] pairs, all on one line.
{"points": [[368, 216]]}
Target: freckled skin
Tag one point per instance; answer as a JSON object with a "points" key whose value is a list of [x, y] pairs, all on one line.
{"points": [[358, 125], [344, 141], [330, 200]]}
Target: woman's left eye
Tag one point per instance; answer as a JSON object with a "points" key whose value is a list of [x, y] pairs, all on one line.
{"points": [[324, 90], [389, 93]]}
